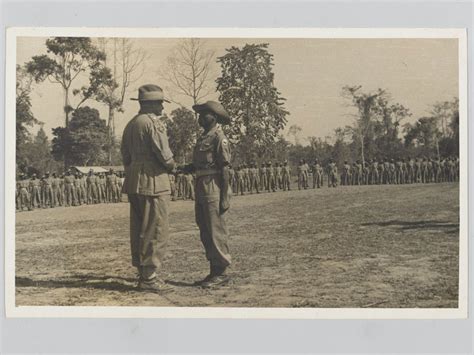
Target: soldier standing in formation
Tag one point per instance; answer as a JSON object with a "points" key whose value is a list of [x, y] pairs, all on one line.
{"points": [[47, 191], [254, 179], [23, 193], [332, 174], [286, 176], [317, 174], [77, 196], [263, 177], [35, 192]]}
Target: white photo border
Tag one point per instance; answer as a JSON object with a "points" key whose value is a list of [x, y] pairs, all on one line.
{"points": [[217, 312]]}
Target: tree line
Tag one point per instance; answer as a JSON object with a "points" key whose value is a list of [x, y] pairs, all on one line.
{"points": [[103, 71]]}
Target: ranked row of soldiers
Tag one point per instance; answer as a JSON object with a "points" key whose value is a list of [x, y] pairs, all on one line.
{"points": [[266, 177], [67, 190], [384, 171]]}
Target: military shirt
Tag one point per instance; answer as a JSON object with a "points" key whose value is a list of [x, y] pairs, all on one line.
{"points": [[211, 153], [35, 183], [212, 150], [111, 179], [69, 179], [24, 184], [146, 156]]}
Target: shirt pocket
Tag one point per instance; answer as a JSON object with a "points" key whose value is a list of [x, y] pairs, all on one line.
{"points": [[206, 152]]}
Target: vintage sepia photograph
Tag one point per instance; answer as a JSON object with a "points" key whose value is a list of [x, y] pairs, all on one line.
{"points": [[244, 173]]}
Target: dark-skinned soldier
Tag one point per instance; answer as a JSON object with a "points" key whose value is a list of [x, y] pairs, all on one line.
{"points": [[55, 189], [317, 174], [332, 174], [172, 178], [48, 197], [23, 193], [189, 186], [418, 170], [346, 173], [305, 168], [300, 174], [111, 186], [69, 188], [245, 172], [148, 160], [35, 192], [91, 187], [278, 178], [254, 178], [263, 177], [211, 158], [270, 177], [286, 176], [240, 180], [231, 176]]}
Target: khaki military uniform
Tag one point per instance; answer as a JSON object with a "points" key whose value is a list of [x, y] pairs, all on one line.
{"points": [[91, 188], [211, 154], [23, 194], [48, 197], [188, 187], [286, 177], [278, 180], [172, 179], [332, 175], [317, 176], [112, 188], [69, 190], [35, 193], [253, 177], [147, 158], [263, 178], [346, 175], [231, 178], [78, 198]]}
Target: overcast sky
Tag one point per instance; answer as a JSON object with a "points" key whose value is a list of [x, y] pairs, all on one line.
{"points": [[309, 73]]}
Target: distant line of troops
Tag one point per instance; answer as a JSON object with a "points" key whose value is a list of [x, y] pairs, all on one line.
{"points": [[182, 186], [387, 171], [268, 177], [272, 177], [67, 190], [78, 189]]}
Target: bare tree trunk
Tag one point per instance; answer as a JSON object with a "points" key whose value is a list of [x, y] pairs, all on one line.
{"points": [[66, 111], [66, 106], [111, 132], [437, 148]]}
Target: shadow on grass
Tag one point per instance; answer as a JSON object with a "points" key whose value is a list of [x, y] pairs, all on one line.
{"points": [[80, 281], [448, 227]]}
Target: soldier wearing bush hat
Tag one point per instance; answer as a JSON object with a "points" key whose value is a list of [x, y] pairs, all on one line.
{"points": [[211, 159], [148, 159]]}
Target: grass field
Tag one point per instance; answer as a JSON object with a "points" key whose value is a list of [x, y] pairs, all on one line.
{"points": [[367, 246]]}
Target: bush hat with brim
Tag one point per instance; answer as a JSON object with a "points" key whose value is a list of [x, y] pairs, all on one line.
{"points": [[150, 92], [216, 108]]}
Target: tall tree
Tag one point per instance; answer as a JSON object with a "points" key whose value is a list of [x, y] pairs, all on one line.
{"points": [[24, 114], [424, 134], [37, 154], [182, 131], [376, 117], [126, 64], [295, 132], [67, 59], [187, 70], [247, 91], [84, 141]]}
